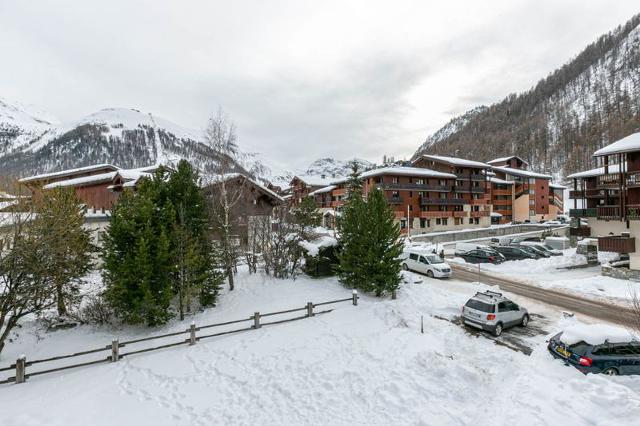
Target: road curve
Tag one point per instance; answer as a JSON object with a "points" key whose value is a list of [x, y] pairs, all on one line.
{"points": [[574, 303]]}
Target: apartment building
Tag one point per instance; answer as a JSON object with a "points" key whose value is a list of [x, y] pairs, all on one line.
{"points": [[303, 186], [608, 199]]}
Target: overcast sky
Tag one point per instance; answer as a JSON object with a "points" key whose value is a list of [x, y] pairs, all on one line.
{"points": [[301, 79]]}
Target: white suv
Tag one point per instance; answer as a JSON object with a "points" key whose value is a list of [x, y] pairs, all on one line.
{"points": [[427, 263], [493, 312]]}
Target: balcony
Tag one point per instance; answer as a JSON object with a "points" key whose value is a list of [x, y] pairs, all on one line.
{"points": [[587, 193], [633, 211], [435, 214], [502, 192], [472, 176], [583, 212], [481, 201], [460, 214], [394, 200], [617, 244], [611, 180], [480, 214], [414, 187], [582, 231], [609, 212], [442, 201], [502, 202]]}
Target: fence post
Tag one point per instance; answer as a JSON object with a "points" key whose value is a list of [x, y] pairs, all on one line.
{"points": [[115, 350], [192, 334], [21, 364], [309, 309], [422, 324], [393, 293], [355, 297], [256, 320]]}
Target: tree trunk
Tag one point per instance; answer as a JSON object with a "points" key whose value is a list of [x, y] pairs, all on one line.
{"points": [[62, 309], [230, 277]]}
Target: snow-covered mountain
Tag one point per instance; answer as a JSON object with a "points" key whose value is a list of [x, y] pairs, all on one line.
{"points": [[126, 137], [327, 166], [587, 103]]}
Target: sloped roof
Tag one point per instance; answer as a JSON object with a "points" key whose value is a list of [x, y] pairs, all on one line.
{"points": [[522, 173], [614, 168], [628, 144], [505, 159], [407, 171], [261, 187], [323, 190], [83, 181], [454, 161], [68, 172]]}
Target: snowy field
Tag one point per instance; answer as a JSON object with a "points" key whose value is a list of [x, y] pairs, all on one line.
{"points": [[552, 272], [356, 365]]}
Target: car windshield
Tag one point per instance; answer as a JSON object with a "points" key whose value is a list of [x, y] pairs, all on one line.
{"points": [[480, 306], [433, 259]]}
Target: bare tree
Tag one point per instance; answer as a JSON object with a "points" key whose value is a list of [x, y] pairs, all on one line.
{"points": [[281, 245], [220, 136]]}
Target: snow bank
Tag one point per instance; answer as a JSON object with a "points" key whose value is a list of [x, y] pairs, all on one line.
{"points": [[313, 247], [595, 334]]}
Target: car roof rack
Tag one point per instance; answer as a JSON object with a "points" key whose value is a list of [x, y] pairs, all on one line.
{"points": [[490, 293]]}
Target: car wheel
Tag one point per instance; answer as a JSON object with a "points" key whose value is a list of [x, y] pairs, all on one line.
{"points": [[525, 320], [405, 267], [611, 371], [498, 330], [430, 274]]}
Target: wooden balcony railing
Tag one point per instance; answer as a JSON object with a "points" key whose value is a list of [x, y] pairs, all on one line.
{"points": [[617, 244], [583, 231], [414, 187], [436, 214], [609, 212], [501, 192], [472, 176], [502, 202], [610, 180], [633, 211], [480, 214], [583, 212], [442, 201], [394, 200], [461, 214], [587, 193], [481, 201]]}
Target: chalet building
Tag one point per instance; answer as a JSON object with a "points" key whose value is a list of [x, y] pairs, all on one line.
{"points": [[532, 193], [301, 187], [608, 198], [255, 203], [501, 199], [471, 190], [97, 186]]}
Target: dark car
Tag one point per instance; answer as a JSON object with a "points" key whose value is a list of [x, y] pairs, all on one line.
{"points": [[535, 251], [608, 358], [482, 256], [514, 253]]}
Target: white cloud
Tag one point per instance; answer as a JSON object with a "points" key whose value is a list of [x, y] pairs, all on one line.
{"points": [[302, 79]]}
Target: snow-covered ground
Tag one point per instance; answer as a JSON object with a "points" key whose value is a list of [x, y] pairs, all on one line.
{"points": [[356, 365], [552, 272]]}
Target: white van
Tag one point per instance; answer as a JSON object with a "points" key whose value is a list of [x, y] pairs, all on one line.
{"points": [[426, 262]]}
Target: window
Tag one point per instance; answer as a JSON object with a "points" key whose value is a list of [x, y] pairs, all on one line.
{"points": [[395, 194], [443, 195], [438, 221], [410, 207], [444, 221], [413, 256], [410, 194], [470, 221], [420, 182], [532, 202], [480, 306], [532, 212], [423, 260], [423, 222], [395, 179], [502, 307]]}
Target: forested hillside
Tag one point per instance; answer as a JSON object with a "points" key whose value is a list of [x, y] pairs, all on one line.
{"points": [[587, 103]]}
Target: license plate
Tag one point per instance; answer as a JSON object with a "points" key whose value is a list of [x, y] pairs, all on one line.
{"points": [[562, 351]]}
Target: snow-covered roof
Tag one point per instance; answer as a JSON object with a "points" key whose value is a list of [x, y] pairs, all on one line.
{"points": [[505, 159], [407, 171], [522, 173], [69, 172], [613, 168], [501, 181], [317, 180], [495, 214], [260, 186], [557, 186], [323, 190], [595, 334], [84, 180], [628, 144], [454, 161]]}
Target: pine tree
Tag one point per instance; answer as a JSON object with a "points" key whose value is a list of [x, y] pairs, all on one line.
{"points": [[59, 220], [371, 246]]}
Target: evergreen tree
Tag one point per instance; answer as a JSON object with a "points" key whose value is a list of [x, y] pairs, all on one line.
{"points": [[59, 220], [371, 245], [306, 215]]}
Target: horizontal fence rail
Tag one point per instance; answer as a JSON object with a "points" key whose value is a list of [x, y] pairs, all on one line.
{"points": [[114, 347]]}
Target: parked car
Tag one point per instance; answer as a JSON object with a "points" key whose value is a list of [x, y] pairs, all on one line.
{"points": [[534, 250], [607, 357], [465, 247], [548, 249], [491, 311], [514, 253], [426, 263], [622, 261], [553, 222], [484, 255]]}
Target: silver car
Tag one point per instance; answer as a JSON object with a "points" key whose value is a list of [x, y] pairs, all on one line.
{"points": [[493, 312]]}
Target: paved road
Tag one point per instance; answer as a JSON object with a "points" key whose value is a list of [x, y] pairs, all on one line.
{"points": [[572, 303]]}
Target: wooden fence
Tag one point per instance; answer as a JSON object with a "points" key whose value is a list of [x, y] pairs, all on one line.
{"points": [[114, 347]]}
